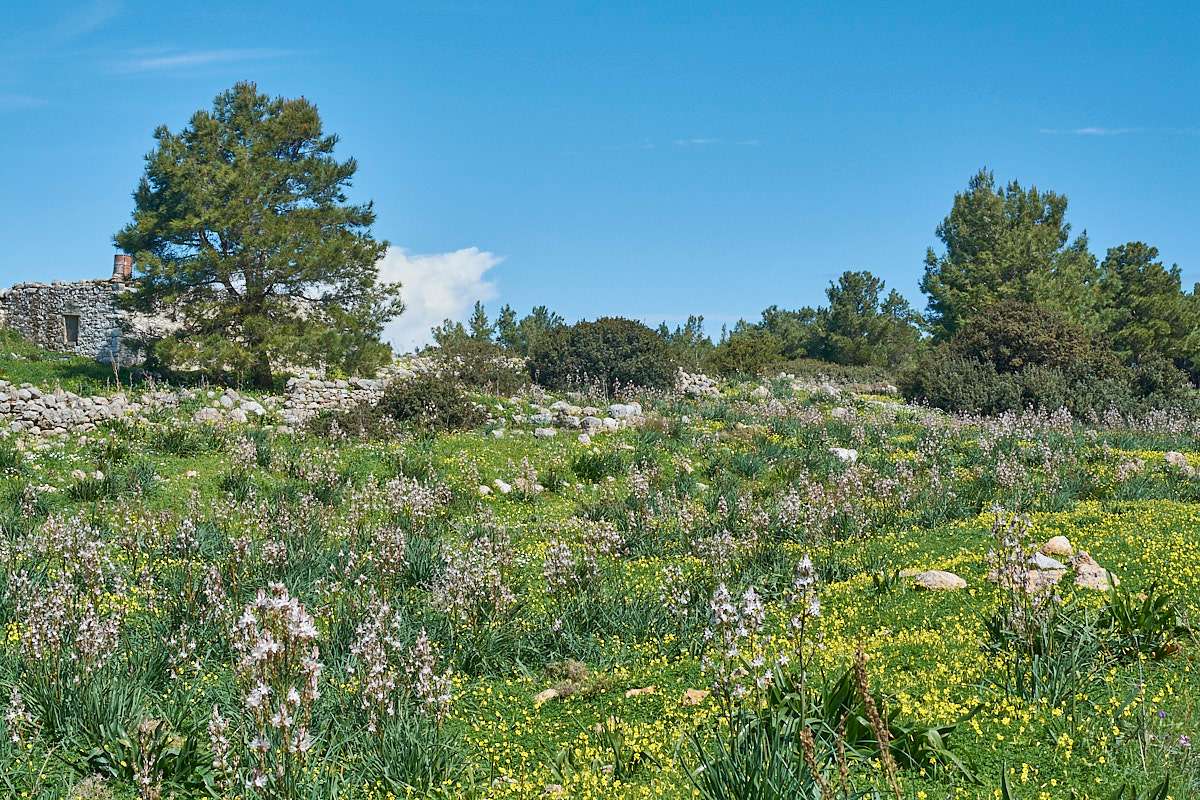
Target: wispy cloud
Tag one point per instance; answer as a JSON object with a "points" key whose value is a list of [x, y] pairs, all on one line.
{"points": [[713, 141], [1100, 131], [1091, 131], [85, 19], [20, 102], [168, 61]]}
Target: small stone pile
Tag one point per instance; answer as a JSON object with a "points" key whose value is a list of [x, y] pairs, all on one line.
{"points": [[561, 414], [696, 384], [230, 406]]}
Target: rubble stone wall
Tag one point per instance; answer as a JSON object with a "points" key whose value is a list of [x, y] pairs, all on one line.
{"points": [[40, 313]]}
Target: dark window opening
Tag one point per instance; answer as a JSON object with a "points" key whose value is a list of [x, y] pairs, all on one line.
{"points": [[71, 328]]}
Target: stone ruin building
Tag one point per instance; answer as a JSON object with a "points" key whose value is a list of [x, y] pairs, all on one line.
{"points": [[82, 318]]}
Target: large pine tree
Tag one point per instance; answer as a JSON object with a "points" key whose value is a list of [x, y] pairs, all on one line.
{"points": [[242, 232], [1008, 244]]}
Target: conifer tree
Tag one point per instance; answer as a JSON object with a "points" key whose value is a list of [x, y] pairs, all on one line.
{"points": [[242, 232]]}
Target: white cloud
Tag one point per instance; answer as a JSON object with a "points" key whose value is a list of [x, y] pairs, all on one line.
{"points": [[435, 287]]}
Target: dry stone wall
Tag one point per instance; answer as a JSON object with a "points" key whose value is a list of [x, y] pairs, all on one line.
{"points": [[27, 409], [80, 318], [307, 397]]}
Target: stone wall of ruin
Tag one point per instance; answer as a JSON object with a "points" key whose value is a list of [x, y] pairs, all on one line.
{"points": [[38, 312]]}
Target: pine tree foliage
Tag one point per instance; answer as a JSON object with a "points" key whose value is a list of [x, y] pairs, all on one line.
{"points": [[243, 233]]}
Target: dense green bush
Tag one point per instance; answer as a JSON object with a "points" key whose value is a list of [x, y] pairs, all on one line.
{"points": [[431, 401], [612, 351], [1016, 355], [481, 364], [747, 352], [1012, 335]]}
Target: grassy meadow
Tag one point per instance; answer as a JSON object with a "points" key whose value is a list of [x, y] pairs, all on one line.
{"points": [[675, 609]]}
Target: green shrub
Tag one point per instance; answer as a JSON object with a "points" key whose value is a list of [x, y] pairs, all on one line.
{"points": [[1149, 623], [595, 465], [1011, 335], [946, 380], [430, 401], [1014, 355], [612, 351], [481, 365], [1162, 383], [748, 352]]}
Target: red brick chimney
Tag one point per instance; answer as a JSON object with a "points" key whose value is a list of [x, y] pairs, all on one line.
{"points": [[122, 268]]}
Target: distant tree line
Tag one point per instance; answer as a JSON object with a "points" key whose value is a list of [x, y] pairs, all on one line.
{"points": [[243, 235], [1018, 313]]}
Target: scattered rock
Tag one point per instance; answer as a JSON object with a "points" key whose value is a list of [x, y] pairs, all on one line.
{"points": [[1037, 580], [693, 697], [545, 696], [207, 415], [1058, 546], [1090, 575], [1045, 562], [938, 580], [625, 410], [641, 691], [847, 455]]}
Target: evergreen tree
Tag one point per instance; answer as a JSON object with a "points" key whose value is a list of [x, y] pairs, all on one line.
{"points": [[482, 329], [242, 232], [506, 326], [449, 335], [1008, 243], [1148, 313], [520, 337], [857, 329], [798, 332], [688, 343]]}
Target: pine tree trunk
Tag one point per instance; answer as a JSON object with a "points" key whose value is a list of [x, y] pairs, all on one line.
{"points": [[260, 376]]}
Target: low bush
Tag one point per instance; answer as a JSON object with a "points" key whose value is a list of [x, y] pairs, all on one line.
{"points": [[614, 352], [1016, 355], [481, 365], [430, 401], [746, 353]]}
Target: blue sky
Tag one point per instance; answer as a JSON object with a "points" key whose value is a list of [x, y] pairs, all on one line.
{"points": [[649, 159]]}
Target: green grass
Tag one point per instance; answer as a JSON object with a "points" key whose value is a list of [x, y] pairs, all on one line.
{"points": [[926, 649], [23, 362]]}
